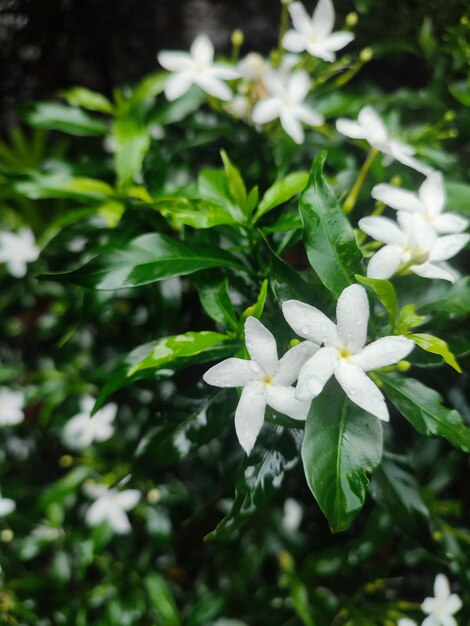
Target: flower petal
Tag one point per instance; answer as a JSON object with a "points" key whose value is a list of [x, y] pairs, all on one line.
{"points": [[97, 512], [361, 390], [293, 41], [292, 126], [213, 86], [232, 372], [77, 432], [283, 399], [178, 85], [398, 199], [308, 116], [128, 499], [385, 262], [441, 587], [266, 110], [401, 152], [350, 128], [300, 19], [7, 506], [449, 223], [432, 193], [453, 603], [382, 229], [298, 86], [430, 270], [118, 520], [174, 61], [202, 50], [352, 316], [261, 345], [448, 246], [385, 351], [337, 41], [316, 372], [290, 364], [371, 121], [249, 415], [323, 19], [310, 323]]}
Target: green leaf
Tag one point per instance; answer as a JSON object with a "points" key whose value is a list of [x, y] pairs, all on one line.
{"points": [[423, 408], [192, 212], [132, 143], [162, 599], [235, 182], [145, 259], [446, 301], [408, 319], [40, 186], [87, 99], [436, 346], [288, 284], [255, 310], [342, 446], [171, 349], [67, 119], [177, 110], [385, 292], [458, 195], [215, 299], [329, 239], [63, 487], [252, 200], [149, 88], [282, 191], [212, 186]]}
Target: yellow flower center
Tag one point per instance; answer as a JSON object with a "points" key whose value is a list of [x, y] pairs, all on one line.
{"points": [[267, 380], [344, 353]]}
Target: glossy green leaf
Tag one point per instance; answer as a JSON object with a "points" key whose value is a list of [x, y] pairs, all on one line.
{"points": [[408, 319], [458, 196], [212, 186], [87, 99], [132, 139], [162, 599], [235, 182], [215, 299], [287, 221], [342, 446], [288, 284], [436, 346], [63, 487], [423, 408], [385, 292], [40, 186], [282, 191], [252, 200], [447, 301], [192, 212], [144, 260], [149, 88], [67, 119], [329, 239], [177, 110], [256, 309]]}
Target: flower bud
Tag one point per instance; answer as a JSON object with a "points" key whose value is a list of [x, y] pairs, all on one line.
{"points": [[420, 256], [6, 535], [366, 55], [66, 460], [286, 2], [237, 38], [351, 19], [449, 116], [403, 366], [153, 496]]}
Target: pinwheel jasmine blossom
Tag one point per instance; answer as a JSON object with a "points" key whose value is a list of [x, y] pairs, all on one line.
{"points": [[412, 245], [266, 380], [18, 249], [196, 68], [429, 202], [82, 430], [443, 606], [7, 506], [315, 34], [11, 407], [343, 352], [286, 102], [369, 126], [110, 507]]}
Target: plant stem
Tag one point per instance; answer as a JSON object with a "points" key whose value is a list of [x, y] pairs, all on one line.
{"points": [[350, 201], [283, 26]]}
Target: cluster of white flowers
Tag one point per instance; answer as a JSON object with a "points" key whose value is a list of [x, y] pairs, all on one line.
{"points": [[330, 349], [441, 608]]}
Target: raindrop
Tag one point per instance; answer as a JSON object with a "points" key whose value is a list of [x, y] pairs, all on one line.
{"points": [[306, 330], [358, 322], [352, 391]]}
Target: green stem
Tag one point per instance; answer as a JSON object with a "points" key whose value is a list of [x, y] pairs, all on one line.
{"points": [[350, 201], [283, 26]]}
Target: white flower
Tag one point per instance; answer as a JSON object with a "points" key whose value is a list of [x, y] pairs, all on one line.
{"points": [[253, 67], [265, 380], [442, 607], [18, 249], [82, 430], [344, 353], [6, 506], [196, 68], [293, 513], [405, 621], [315, 34], [11, 407], [411, 239], [110, 507], [285, 101], [429, 203], [369, 126]]}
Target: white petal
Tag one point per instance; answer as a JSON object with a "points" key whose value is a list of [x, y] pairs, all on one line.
{"points": [[292, 126], [352, 316], [361, 390], [97, 512], [401, 152], [310, 323], [323, 19], [299, 86], [385, 351], [224, 72], [316, 372], [17, 268], [174, 61], [448, 620], [266, 110], [202, 50], [431, 620], [6, 506], [178, 85], [350, 128], [283, 399], [300, 19], [261, 345], [107, 414], [290, 364], [77, 432], [318, 49], [447, 247], [449, 223], [308, 116], [232, 372], [398, 199], [382, 229], [337, 41], [213, 86], [421, 234], [453, 603], [128, 498], [385, 262], [102, 430], [371, 121], [432, 193], [441, 587], [249, 415], [293, 41], [118, 520], [430, 270], [87, 403], [406, 622]]}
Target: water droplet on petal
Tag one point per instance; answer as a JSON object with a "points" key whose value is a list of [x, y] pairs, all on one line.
{"points": [[358, 322], [352, 391], [305, 330], [255, 367]]}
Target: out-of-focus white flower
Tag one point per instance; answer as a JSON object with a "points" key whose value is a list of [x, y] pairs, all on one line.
{"points": [[411, 239], [6, 506], [369, 126], [11, 407], [315, 34], [344, 353], [253, 67], [443, 606], [429, 202], [293, 514], [82, 429], [405, 621], [286, 102], [196, 68], [110, 507], [265, 379], [18, 249]]}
